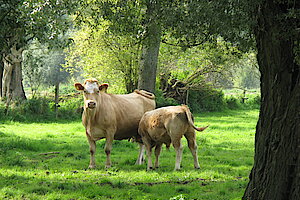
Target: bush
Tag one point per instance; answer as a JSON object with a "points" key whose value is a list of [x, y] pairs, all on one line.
{"points": [[41, 108], [206, 99], [253, 101], [161, 101], [34, 106], [232, 102], [70, 107]]}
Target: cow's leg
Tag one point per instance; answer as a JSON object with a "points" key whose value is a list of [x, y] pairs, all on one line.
{"points": [[157, 153], [107, 149], [92, 151], [178, 148], [141, 158], [191, 139]]}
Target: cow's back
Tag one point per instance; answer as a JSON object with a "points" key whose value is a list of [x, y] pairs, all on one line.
{"points": [[128, 110]]}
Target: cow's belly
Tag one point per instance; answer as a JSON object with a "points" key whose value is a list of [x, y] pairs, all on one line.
{"points": [[126, 133]]}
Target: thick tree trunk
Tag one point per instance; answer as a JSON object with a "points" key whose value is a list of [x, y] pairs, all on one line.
{"points": [[1, 75], [276, 171], [12, 87], [150, 50]]}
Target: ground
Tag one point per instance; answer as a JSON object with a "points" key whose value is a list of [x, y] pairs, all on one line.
{"points": [[49, 160]]}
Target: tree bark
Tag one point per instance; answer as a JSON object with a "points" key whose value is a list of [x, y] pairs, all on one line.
{"points": [[150, 50], [276, 171], [12, 87], [1, 75], [56, 99]]}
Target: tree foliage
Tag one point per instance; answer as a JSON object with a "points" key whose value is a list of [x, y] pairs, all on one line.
{"points": [[27, 19], [110, 58]]}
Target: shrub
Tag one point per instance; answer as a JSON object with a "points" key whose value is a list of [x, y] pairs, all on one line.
{"points": [[41, 108], [206, 99], [161, 101], [253, 102], [232, 102], [34, 106], [70, 107]]}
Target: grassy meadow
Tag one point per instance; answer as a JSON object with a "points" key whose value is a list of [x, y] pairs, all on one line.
{"points": [[48, 160]]}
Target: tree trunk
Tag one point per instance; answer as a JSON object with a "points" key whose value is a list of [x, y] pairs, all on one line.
{"points": [[12, 87], [150, 50], [276, 171], [1, 75], [56, 99]]}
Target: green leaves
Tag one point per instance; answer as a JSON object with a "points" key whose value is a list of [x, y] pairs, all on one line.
{"points": [[111, 58]]}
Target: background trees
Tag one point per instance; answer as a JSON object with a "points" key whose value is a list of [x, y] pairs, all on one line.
{"points": [[21, 21], [110, 58]]}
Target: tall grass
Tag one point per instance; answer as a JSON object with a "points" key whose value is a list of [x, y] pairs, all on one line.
{"points": [[28, 172]]}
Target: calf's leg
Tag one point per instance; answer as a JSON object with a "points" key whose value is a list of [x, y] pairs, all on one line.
{"points": [[191, 139], [178, 148], [157, 153], [148, 152]]}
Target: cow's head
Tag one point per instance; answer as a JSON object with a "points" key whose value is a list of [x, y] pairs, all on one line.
{"points": [[91, 91]]}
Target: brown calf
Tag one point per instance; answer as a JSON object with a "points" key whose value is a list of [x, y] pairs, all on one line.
{"points": [[165, 126]]}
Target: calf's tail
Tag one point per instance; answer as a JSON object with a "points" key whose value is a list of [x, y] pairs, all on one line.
{"points": [[190, 119]]}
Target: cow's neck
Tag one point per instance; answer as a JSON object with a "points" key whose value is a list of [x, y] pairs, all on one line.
{"points": [[90, 114]]}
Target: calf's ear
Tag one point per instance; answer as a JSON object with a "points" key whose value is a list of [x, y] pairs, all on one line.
{"points": [[78, 86], [103, 87]]}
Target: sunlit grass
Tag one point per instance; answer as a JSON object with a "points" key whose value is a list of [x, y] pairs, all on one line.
{"points": [[225, 155]]}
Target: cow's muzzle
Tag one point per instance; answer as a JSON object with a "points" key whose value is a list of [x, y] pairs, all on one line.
{"points": [[91, 104]]}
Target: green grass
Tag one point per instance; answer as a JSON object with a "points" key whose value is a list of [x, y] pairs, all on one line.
{"points": [[225, 155]]}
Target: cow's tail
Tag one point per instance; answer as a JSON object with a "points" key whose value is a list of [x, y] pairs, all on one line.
{"points": [[190, 119], [146, 94]]}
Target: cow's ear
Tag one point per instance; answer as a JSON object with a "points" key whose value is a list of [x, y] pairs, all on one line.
{"points": [[103, 87], [78, 86]]}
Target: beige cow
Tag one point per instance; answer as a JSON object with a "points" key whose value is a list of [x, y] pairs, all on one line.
{"points": [[165, 126], [112, 116]]}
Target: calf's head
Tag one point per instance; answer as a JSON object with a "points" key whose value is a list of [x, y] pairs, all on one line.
{"points": [[91, 91]]}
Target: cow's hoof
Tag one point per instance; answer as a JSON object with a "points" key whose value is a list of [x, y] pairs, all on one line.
{"points": [[107, 166], [198, 168], [149, 168]]}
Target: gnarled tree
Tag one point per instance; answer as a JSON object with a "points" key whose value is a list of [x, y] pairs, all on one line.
{"points": [[276, 171]]}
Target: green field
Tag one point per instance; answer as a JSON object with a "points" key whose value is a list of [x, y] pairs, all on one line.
{"points": [[27, 172]]}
